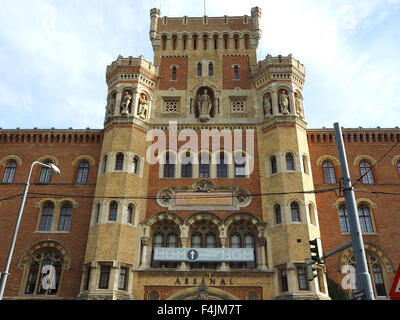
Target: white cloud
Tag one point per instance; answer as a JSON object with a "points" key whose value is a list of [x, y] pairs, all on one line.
{"points": [[54, 54]]}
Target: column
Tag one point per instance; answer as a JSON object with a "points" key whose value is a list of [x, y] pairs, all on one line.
{"points": [[274, 98], [224, 265], [143, 263], [94, 276], [184, 265], [292, 107], [263, 243]]}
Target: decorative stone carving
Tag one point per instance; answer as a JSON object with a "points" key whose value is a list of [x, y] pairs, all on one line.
{"points": [[110, 107], [204, 186], [203, 195], [202, 292], [267, 104], [284, 102], [125, 103], [299, 106], [204, 105], [143, 107]]}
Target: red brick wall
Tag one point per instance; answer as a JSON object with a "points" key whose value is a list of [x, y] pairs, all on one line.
{"points": [[244, 81], [386, 214], [74, 240], [166, 73]]}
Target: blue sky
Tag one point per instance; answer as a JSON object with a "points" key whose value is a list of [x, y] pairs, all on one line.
{"points": [[54, 54]]}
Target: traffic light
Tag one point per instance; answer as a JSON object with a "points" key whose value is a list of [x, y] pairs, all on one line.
{"points": [[310, 269], [316, 250]]}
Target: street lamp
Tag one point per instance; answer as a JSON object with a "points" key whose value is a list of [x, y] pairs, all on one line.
{"points": [[53, 169]]}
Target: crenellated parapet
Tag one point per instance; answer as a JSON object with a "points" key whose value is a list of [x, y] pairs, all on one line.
{"points": [[131, 83], [278, 69], [132, 70], [279, 82], [205, 33]]}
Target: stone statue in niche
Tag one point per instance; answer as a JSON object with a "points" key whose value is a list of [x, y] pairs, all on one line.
{"points": [[204, 104], [110, 107], [125, 103], [284, 102], [299, 106], [143, 107], [267, 105]]}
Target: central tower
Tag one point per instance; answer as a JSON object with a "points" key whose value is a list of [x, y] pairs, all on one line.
{"points": [[250, 192]]}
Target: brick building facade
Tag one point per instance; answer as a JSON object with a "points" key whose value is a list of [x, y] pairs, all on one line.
{"points": [[99, 223]]}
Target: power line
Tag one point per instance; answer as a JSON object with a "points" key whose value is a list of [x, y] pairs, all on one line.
{"points": [[375, 164], [33, 195]]}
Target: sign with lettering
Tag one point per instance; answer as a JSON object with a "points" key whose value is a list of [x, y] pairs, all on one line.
{"points": [[203, 198], [204, 254]]}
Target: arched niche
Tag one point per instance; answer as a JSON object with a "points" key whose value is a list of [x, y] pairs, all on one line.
{"points": [[199, 92]]}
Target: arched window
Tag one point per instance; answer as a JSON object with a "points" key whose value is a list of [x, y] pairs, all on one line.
{"points": [[242, 236], [10, 171], [215, 38], [173, 76], [246, 42], [135, 165], [165, 236], [210, 69], [65, 217], [205, 42], [365, 218], [240, 165], [164, 42], [169, 165], [47, 216], [82, 173], [366, 172], [204, 165], [42, 262], [130, 214], [194, 40], [378, 280], [235, 73], [289, 162], [329, 172], [184, 40], [377, 271], [186, 161], [344, 219], [204, 236], [199, 69], [45, 173], [236, 41], [113, 210], [398, 166], [174, 42], [294, 209], [274, 167], [222, 166], [226, 41], [119, 161], [278, 214]]}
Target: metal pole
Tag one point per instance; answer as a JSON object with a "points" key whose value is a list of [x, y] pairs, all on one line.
{"points": [[4, 275], [363, 278]]}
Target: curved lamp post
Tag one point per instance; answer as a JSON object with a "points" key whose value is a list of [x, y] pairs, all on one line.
{"points": [[4, 275]]}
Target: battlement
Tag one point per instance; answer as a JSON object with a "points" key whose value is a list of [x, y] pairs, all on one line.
{"points": [[132, 69], [278, 68], [242, 32]]}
